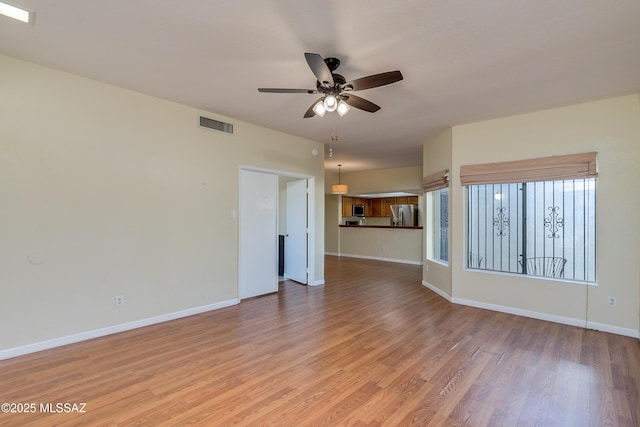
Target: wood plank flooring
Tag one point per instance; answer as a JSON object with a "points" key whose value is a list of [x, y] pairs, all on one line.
{"points": [[372, 347]]}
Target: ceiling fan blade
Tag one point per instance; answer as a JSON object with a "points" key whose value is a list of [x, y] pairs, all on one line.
{"points": [[276, 90], [310, 112], [360, 103], [373, 81], [319, 69]]}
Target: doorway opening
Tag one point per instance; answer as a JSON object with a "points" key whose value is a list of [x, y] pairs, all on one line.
{"points": [[272, 204]]}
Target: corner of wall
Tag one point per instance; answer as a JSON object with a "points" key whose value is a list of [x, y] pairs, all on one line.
{"points": [[437, 155]]}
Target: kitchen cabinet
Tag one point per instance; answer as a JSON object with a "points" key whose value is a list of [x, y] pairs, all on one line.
{"points": [[368, 206], [376, 207], [386, 206], [347, 202]]}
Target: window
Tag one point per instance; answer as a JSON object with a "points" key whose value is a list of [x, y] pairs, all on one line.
{"points": [[533, 216], [535, 228], [435, 187], [440, 220]]}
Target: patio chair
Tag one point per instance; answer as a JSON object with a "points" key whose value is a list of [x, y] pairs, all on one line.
{"points": [[545, 266], [474, 260]]}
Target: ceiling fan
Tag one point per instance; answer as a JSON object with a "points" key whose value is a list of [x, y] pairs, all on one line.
{"points": [[336, 90]]}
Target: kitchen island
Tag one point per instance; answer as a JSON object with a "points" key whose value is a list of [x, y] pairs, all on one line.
{"points": [[382, 242]]}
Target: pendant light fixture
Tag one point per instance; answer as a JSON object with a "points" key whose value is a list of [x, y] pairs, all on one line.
{"points": [[339, 188]]}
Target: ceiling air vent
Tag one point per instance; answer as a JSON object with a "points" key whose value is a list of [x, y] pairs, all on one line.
{"points": [[216, 125]]}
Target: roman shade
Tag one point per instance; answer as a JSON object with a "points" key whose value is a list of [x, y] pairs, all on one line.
{"points": [[571, 166], [436, 181]]}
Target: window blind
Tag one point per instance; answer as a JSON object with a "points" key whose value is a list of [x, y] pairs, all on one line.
{"points": [[435, 181], [571, 166]]}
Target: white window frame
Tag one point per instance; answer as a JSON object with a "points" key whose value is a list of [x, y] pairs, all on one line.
{"points": [[589, 278], [433, 228]]}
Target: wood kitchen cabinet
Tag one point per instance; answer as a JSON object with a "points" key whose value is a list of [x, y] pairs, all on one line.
{"points": [[376, 207], [388, 201], [386, 206], [347, 202], [368, 206]]}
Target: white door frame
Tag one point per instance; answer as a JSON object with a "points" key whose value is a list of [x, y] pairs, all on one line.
{"points": [[310, 216]]}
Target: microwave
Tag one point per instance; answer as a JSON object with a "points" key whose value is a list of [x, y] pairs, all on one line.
{"points": [[357, 210]]}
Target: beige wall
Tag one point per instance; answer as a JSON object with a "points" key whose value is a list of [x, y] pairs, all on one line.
{"points": [[331, 218], [437, 155], [109, 192], [385, 244], [610, 127], [378, 180]]}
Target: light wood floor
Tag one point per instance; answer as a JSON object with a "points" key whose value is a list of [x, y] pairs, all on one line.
{"points": [[372, 347]]}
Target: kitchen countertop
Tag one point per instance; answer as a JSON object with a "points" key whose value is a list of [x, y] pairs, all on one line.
{"points": [[418, 227]]}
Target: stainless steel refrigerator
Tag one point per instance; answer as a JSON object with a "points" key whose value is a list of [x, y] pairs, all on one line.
{"points": [[404, 215]]}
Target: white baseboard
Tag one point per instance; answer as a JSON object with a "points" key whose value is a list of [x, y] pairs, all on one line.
{"points": [[618, 330], [549, 317], [396, 260], [83, 336], [318, 282], [536, 315], [437, 290]]}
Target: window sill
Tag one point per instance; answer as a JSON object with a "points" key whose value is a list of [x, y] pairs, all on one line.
{"points": [[436, 261], [525, 276]]}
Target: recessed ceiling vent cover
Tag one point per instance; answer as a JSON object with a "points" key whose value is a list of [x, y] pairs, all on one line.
{"points": [[216, 125]]}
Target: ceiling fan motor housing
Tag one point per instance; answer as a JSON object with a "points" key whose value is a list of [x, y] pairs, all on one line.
{"points": [[338, 81], [332, 63]]}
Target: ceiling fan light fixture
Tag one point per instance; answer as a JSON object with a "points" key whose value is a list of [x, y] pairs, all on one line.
{"points": [[335, 88], [319, 109], [330, 103], [343, 108]]}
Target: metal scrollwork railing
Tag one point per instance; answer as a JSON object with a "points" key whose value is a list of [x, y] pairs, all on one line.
{"points": [[501, 222], [554, 222]]}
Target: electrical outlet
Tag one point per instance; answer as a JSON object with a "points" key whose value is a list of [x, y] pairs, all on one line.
{"points": [[119, 300], [612, 302]]}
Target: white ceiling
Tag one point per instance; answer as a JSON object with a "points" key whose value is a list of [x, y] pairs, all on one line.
{"points": [[462, 60]]}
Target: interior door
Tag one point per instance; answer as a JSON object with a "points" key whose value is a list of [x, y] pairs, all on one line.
{"points": [[257, 217], [295, 246]]}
